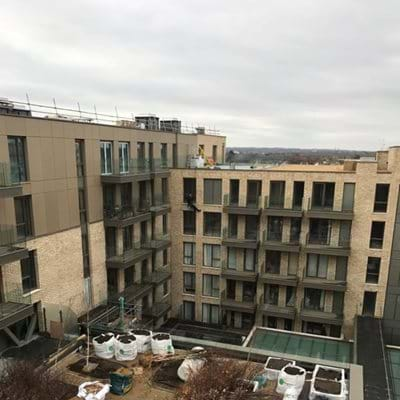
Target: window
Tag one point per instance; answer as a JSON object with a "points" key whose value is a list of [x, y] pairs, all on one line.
{"points": [[144, 269], [23, 216], [189, 310], [287, 324], [337, 304], [234, 192], [123, 157], [189, 223], [247, 320], [212, 224], [369, 303], [250, 257], [141, 153], [112, 281], [28, 273], [126, 196], [272, 262], [251, 227], [275, 228], [298, 194], [127, 237], [232, 258], [164, 190], [165, 288], [212, 255], [214, 153], [314, 328], [165, 224], [230, 289], [249, 291], [189, 188], [373, 267], [210, 313], [277, 194], [18, 167], [212, 191], [189, 282], [377, 233], [348, 196], [290, 296], [317, 266], [211, 285], [323, 194], [271, 293], [320, 231], [165, 257], [232, 226], [314, 299], [381, 197], [129, 276], [253, 193], [341, 268], [345, 233], [164, 154], [189, 253], [293, 263], [295, 230], [106, 157]]}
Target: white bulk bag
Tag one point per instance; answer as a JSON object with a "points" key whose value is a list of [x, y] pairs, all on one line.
{"points": [[143, 339], [316, 394], [99, 395], [125, 351], [161, 344], [291, 376], [104, 345], [273, 373], [189, 366]]}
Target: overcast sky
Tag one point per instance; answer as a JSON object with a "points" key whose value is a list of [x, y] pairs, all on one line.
{"points": [[304, 73]]}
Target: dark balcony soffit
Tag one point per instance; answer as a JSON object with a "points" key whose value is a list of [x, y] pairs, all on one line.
{"points": [[157, 310], [128, 259], [330, 214], [161, 173], [11, 313], [161, 209], [121, 222], [10, 254], [10, 191], [158, 277], [158, 244], [247, 276], [321, 317], [242, 210], [279, 312], [126, 178], [283, 212], [278, 279], [237, 305], [281, 246], [324, 284], [241, 243], [327, 250]]}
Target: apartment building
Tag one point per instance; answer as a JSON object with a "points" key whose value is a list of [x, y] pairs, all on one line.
{"points": [[85, 219], [293, 247]]}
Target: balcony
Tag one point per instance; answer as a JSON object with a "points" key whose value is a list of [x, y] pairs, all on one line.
{"points": [[159, 242], [133, 292], [133, 170], [274, 207], [239, 275], [328, 212], [158, 309], [11, 249], [321, 243], [128, 257], [320, 316], [278, 279], [7, 187], [15, 307], [159, 167], [273, 241], [158, 276], [250, 241], [244, 305], [273, 310], [324, 284], [242, 205], [160, 204], [127, 215]]}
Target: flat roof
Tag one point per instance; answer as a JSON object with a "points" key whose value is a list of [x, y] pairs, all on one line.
{"points": [[309, 168], [292, 343]]}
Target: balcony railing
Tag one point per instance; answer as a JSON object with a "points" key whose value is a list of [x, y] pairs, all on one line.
{"points": [[158, 164], [7, 186], [328, 211], [276, 207], [12, 248], [250, 240], [160, 199], [319, 315], [322, 239], [118, 214], [244, 303], [128, 257], [242, 201], [158, 241], [241, 274]]}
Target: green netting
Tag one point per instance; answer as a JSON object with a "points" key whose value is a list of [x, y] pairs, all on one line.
{"points": [[290, 343]]}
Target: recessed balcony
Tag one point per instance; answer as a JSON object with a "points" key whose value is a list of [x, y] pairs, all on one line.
{"points": [[242, 205], [274, 242], [129, 171], [324, 284], [239, 274], [8, 188], [128, 258], [127, 215], [251, 240], [320, 243], [321, 316], [328, 211], [276, 207], [245, 304], [11, 248]]}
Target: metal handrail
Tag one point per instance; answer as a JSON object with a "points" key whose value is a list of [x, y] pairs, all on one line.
{"points": [[242, 201]]}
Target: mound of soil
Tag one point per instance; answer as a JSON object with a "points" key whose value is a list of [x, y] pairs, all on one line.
{"points": [[102, 371], [277, 364], [293, 371], [161, 336], [141, 332], [329, 374], [103, 338], [126, 338], [325, 386]]}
